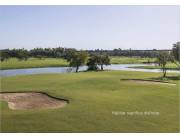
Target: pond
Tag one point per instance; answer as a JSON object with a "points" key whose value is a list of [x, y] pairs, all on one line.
{"points": [[28, 71]]}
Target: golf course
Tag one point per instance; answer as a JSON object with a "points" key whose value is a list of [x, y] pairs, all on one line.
{"points": [[89, 69], [93, 98]]}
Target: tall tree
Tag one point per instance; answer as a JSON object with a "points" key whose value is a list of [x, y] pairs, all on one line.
{"points": [[103, 60], [22, 54], [96, 60], [77, 59], [4, 56], [92, 62], [162, 60], [176, 54]]}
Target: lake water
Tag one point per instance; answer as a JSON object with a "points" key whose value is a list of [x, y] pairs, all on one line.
{"points": [[28, 71]]}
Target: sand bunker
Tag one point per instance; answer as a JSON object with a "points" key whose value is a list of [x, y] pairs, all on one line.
{"points": [[31, 100], [151, 82]]}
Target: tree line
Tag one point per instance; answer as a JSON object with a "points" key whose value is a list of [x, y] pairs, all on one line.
{"points": [[60, 52], [129, 52], [24, 54]]}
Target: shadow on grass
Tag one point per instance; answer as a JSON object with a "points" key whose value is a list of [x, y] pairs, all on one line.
{"points": [[166, 78], [148, 80], [157, 79], [95, 70]]}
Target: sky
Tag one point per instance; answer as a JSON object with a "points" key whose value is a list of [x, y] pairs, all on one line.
{"points": [[89, 27]]}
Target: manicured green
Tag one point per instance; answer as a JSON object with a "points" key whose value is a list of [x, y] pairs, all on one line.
{"points": [[130, 60], [169, 66], [93, 97], [14, 63]]}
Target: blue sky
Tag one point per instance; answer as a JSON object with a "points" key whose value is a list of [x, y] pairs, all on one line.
{"points": [[89, 27]]}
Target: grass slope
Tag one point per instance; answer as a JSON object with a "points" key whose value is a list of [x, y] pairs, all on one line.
{"points": [[93, 97]]}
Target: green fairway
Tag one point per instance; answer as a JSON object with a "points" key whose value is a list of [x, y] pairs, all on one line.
{"points": [[93, 97], [14, 63], [130, 60]]}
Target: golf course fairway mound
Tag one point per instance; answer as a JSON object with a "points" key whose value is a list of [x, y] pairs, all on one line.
{"points": [[31, 100]]}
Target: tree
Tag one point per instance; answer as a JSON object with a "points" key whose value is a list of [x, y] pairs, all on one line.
{"points": [[92, 62], [176, 54], [103, 60], [4, 56], [22, 54], [77, 59], [162, 60], [96, 59]]}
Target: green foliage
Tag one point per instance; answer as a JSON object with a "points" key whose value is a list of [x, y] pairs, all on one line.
{"points": [[3, 56], [176, 54], [162, 60], [92, 62], [22, 55], [97, 59], [77, 59], [176, 51], [103, 60], [61, 52]]}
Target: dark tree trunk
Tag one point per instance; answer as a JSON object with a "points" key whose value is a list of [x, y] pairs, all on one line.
{"points": [[77, 68], [164, 72], [101, 66]]}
